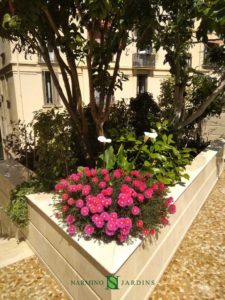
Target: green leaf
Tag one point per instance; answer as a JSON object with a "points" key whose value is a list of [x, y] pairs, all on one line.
{"points": [[109, 158], [6, 19]]}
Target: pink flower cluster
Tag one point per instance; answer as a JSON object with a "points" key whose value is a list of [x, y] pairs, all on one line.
{"points": [[112, 204]]}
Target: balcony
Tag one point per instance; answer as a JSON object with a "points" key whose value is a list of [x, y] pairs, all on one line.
{"points": [[144, 60]]}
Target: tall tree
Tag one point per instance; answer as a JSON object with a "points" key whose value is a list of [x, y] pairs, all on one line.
{"points": [[176, 32], [87, 32]]}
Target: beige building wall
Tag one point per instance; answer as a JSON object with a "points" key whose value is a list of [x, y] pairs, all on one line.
{"points": [[21, 80]]}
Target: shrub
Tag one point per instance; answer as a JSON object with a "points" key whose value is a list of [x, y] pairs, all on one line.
{"points": [[17, 210], [112, 205], [154, 152]]}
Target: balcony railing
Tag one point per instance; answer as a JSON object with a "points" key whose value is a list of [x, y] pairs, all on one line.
{"points": [[144, 60]]}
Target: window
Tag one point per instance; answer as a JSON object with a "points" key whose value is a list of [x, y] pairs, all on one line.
{"points": [[51, 96], [142, 84]]}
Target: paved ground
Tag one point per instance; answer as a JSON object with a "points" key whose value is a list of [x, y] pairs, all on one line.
{"points": [[11, 251], [197, 270]]}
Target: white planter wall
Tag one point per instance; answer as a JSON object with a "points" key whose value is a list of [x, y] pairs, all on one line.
{"points": [[70, 259]]}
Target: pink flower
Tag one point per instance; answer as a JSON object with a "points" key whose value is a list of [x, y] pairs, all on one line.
{"points": [[154, 186], [93, 209], [64, 182], [86, 190], [84, 211], [109, 232], [95, 218], [128, 179], [145, 231], [79, 187], [139, 223], [169, 201], [142, 187], [64, 196], [134, 194], [107, 202], [104, 216], [125, 231], [102, 184], [57, 214], [126, 189], [79, 203], [93, 172], [70, 219], [75, 177], [89, 229], [64, 208], [107, 192], [104, 171], [107, 178], [152, 232], [87, 173], [172, 209], [161, 186], [72, 188], [149, 193], [113, 216], [71, 229], [136, 183], [130, 201], [94, 180], [128, 222], [100, 196], [111, 225], [164, 221], [58, 187], [70, 201], [135, 173], [135, 210], [122, 238], [99, 223], [122, 202], [117, 174], [120, 223], [99, 208], [140, 198]]}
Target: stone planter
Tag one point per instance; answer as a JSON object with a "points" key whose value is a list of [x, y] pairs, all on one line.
{"points": [[89, 270]]}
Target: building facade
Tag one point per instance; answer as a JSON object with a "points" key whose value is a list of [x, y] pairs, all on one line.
{"points": [[26, 85]]}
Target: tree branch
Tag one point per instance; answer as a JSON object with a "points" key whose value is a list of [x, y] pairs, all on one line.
{"points": [[50, 20], [204, 106]]}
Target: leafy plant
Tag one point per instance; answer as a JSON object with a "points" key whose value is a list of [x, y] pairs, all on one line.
{"points": [[18, 207], [158, 155]]}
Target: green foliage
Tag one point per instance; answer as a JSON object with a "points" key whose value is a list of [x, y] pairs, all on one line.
{"points": [[144, 112], [18, 207], [56, 145], [21, 143], [47, 145], [137, 114], [200, 87], [159, 155]]}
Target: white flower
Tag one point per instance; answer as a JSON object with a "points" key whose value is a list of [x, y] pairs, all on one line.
{"points": [[103, 139], [152, 135]]}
